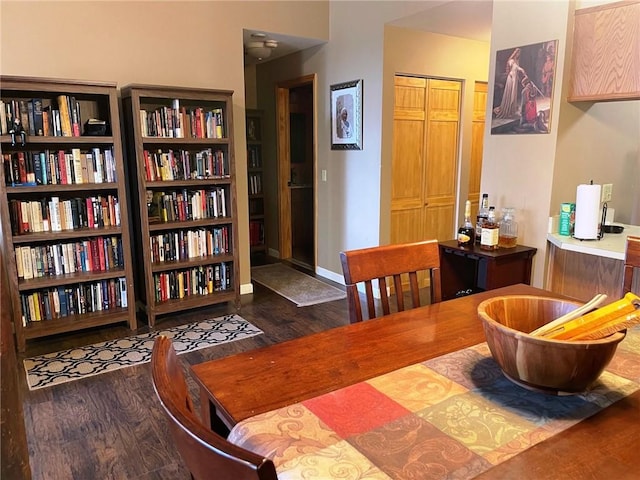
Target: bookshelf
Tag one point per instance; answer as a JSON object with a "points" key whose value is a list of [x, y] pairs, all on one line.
{"points": [[65, 228], [255, 183], [182, 174]]}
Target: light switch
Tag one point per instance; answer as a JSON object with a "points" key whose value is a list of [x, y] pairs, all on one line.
{"points": [[324, 175]]}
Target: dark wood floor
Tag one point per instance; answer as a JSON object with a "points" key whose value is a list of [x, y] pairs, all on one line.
{"points": [[110, 426]]}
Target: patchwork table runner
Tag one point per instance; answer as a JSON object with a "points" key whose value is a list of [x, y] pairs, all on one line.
{"points": [[454, 416]]}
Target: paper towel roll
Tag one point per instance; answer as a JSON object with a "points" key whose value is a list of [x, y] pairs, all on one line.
{"points": [[587, 212]]}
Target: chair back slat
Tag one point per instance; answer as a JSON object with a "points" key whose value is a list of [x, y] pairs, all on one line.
{"points": [[631, 263], [390, 262], [207, 455]]}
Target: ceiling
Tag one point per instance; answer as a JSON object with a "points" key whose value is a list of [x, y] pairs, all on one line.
{"points": [[458, 18]]}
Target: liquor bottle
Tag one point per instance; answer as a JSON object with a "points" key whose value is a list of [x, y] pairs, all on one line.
{"points": [[508, 237], [483, 213], [466, 233], [490, 231]]}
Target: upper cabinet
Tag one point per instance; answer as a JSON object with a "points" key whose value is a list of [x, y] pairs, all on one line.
{"points": [[606, 53]]}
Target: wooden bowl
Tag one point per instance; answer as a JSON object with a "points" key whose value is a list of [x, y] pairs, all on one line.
{"points": [[551, 366]]}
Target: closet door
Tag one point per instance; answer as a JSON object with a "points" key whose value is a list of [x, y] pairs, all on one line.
{"points": [[425, 157]]}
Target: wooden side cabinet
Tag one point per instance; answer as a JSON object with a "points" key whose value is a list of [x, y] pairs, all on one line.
{"points": [[471, 270], [605, 63]]}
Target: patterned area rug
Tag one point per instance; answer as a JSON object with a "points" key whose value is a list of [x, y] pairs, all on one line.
{"points": [[301, 289], [76, 363]]}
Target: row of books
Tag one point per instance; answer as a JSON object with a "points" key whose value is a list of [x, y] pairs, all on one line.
{"points": [[54, 215], [40, 117], [185, 165], [60, 302], [59, 167], [255, 184], [188, 205], [185, 244], [180, 122], [98, 254], [203, 280], [253, 154], [256, 206], [256, 233]]}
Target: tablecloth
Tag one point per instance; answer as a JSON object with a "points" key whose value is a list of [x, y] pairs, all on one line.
{"points": [[454, 416]]}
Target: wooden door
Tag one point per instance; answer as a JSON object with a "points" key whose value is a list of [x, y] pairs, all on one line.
{"points": [[425, 157], [477, 143], [441, 165], [407, 180]]}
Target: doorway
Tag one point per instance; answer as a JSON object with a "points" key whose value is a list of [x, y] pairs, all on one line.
{"points": [[296, 130]]}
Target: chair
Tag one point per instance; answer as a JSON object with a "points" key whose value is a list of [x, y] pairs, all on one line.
{"points": [[368, 264], [207, 455], [631, 262]]}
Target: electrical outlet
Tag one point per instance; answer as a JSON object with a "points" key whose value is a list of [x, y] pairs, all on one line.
{"points": [[607, 190]]}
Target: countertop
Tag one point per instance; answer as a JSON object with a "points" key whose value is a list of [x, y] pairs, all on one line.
{"points": [[612, 245]]}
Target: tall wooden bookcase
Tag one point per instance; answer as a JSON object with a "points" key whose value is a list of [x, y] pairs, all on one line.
{"points": [[255, 182], [182, 174], [65, 228]]}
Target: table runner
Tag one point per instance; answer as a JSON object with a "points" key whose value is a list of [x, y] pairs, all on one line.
{"points": [[454, 416]]}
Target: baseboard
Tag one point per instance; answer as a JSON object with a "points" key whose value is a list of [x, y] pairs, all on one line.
{"points": [[246, 289], [328, 274]]}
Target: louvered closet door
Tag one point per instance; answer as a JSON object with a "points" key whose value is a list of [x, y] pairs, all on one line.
{"points": [[425, 153]]}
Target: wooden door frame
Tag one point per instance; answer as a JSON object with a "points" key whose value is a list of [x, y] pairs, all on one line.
{"points": [[284, 163]]}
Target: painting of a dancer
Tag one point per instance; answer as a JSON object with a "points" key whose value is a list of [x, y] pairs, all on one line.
{"points": [[523, 89]]}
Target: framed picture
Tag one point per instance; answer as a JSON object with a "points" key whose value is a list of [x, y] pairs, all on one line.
{"points": [[523, 89], [346, 116]]}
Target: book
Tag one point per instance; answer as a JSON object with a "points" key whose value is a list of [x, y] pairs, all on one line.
{"points": [[23, 111], [46, 121], [65, 116], [19, 262], [77, 165], [38, 121], [22, 168], [75, 116], [4, 129], [44, 168]]}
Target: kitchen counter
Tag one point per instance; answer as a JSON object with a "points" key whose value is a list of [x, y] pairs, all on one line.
{"points": [[582, 268], [612, 245]]}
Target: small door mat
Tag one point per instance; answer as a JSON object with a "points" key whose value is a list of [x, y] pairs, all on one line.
{"points": [[76, 363], [301, 289]]}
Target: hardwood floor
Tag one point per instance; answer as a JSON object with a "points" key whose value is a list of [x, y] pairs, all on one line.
{"points": [[110, 426]]}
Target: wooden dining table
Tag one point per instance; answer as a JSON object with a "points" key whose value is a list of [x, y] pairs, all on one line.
{"points": [[243, 385]]}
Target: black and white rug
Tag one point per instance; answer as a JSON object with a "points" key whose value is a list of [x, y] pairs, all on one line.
{"points": [[76, 363]]}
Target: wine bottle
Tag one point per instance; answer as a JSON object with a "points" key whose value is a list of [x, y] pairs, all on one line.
{"points": [[466, 233], [483, 213]]}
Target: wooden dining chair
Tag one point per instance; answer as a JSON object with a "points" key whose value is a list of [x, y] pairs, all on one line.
{"points": [[396, 262], [631, 263], [207, 455]]}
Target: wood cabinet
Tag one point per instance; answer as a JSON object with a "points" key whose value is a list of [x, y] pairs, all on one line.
{"points": [[466, 270], [64, 208], [605, 63], [182, 172], [255, 182]]}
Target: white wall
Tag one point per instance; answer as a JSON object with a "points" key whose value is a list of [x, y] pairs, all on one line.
{"points": [[517, 170]]}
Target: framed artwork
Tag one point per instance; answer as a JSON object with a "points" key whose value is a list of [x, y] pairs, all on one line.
{"points": [[523, 89], [346, 116]]}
